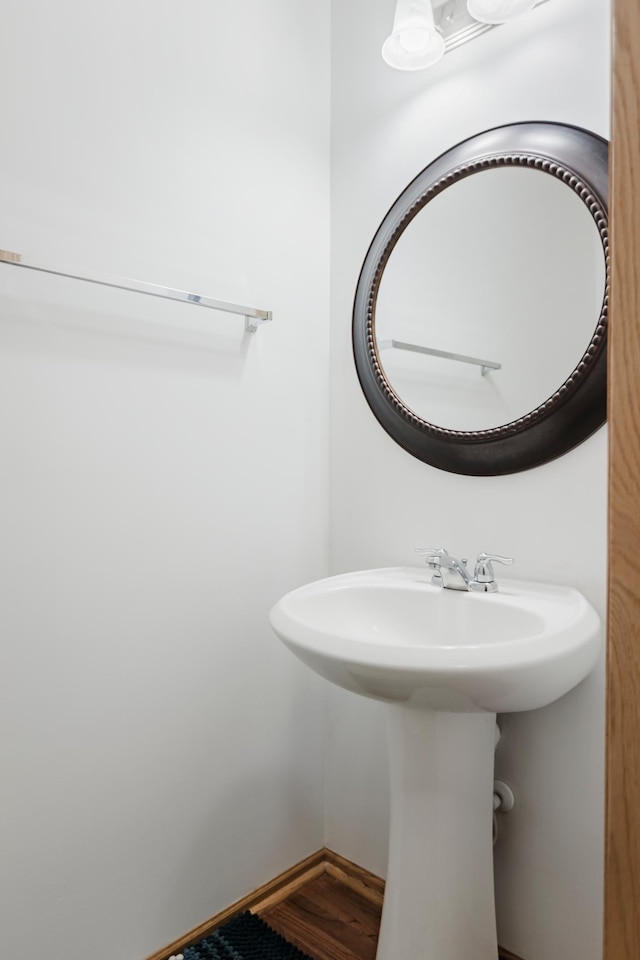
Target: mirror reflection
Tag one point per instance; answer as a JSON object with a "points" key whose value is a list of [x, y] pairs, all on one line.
{"points": [[504, 270]]}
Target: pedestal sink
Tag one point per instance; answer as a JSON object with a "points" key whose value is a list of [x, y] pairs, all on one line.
{"points": [[446, 662]]}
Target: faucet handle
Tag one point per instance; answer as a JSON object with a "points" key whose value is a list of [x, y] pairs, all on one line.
{"points": [[432, 556], [484, 566], [434, 552]]}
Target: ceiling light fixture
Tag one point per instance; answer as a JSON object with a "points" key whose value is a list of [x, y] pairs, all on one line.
{"points": [[498, 11], [415, 43]]}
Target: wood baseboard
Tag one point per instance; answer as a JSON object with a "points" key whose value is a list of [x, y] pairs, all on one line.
{"points": [[269, 894], [354, 877], [285, 885]]}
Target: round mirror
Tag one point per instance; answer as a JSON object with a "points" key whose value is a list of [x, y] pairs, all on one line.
{"points": [[481, 309]]}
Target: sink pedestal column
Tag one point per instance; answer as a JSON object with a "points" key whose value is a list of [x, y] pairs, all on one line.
{"points": [[439, 900]]}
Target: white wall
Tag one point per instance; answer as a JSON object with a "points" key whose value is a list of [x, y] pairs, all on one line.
{"points": [[164, 476], [387, 126]]}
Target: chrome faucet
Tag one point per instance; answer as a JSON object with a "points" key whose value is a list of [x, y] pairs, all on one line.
{"points": [[482, 581], [439, 560]]}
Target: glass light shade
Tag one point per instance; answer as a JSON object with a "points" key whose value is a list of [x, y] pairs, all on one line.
{"points": [[498, 11], [414, 42]]}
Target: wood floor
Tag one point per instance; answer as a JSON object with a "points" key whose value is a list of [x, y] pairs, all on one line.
{"points": [[327, 906], [328, 920]]}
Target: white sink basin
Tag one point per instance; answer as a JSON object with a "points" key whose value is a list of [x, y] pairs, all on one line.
{"points": [[446, 662], [391, 635]]}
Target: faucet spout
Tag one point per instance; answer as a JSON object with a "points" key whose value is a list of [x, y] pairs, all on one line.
{"points": [[439, 559], [459, 567]]}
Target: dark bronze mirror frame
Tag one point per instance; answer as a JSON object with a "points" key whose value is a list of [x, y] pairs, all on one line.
{"points": [[578, 407]]}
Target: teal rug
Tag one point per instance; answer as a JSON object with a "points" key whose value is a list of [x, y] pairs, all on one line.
{"points": [[245, 937]]}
